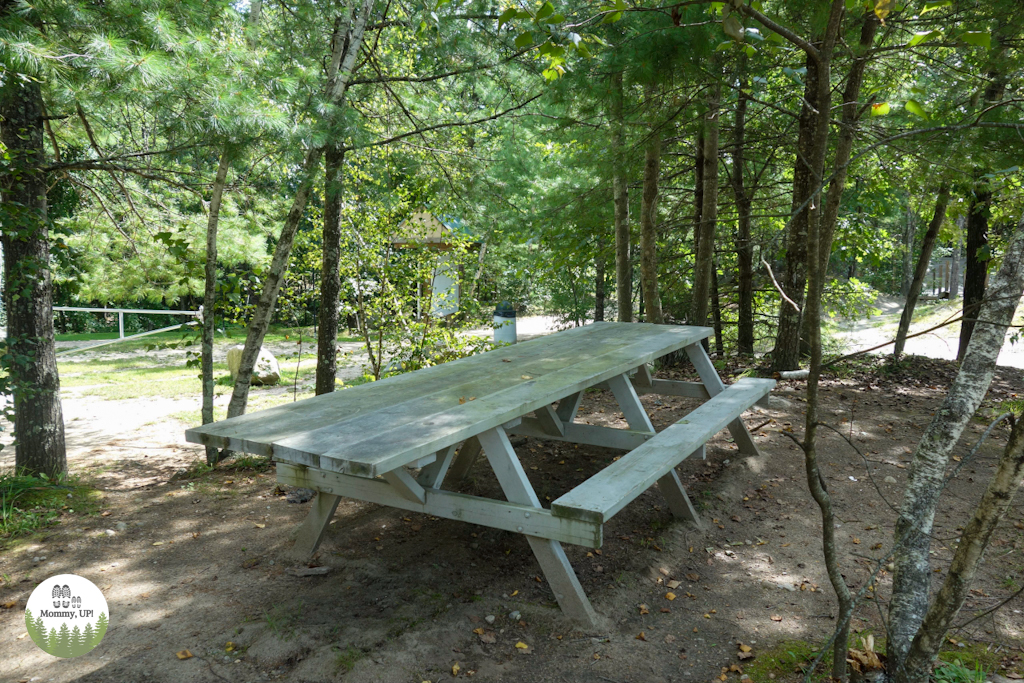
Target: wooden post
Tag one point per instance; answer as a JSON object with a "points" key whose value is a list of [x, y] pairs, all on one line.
{"points": [[549, 553]]}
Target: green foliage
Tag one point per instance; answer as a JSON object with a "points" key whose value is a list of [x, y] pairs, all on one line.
{"points": [[31, 503]]}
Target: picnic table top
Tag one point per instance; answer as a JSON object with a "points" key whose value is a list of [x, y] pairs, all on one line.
{"points": [[377, 427]]}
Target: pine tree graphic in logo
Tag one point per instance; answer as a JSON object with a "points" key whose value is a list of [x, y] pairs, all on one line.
{"points": [[66, 616]]}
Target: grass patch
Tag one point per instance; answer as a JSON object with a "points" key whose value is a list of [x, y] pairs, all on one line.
{"points": [[958, 672], [785, 659], [29, 504], [345, 659]]}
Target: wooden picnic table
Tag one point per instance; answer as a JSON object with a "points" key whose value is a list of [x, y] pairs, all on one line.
{"points": [[395, 442]]}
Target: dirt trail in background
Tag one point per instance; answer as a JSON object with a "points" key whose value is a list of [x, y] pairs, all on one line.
{"points": [[943, 343]]}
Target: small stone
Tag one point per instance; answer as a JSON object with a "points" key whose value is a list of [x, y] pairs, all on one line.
{"points": [[515, 615], [889, 479], [489, 618], [121, 526], [271, 563], [227, 658], [110, 532]]}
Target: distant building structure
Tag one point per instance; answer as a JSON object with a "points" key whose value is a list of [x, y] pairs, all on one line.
{"points": [[443, 234]]}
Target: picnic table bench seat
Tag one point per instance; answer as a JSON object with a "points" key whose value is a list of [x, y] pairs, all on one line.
{"points": [[601, 496]]}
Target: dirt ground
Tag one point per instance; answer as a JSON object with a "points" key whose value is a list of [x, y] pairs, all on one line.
{"points": [[198, 564]]}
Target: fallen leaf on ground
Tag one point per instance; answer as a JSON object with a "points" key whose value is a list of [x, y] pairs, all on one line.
{"points": [[693, 577], [159, 543], [642, 636], [260, 526], [673, 584], [670, 596], [522, 646], [514, 594], [479, 631], [663, 571], [462, 399], [488, 638], [644, 610], [22, 635], [776, 617], [670, 638], [455, 669], [184, 654], [745, 648], [527, 376], [10, 604]]}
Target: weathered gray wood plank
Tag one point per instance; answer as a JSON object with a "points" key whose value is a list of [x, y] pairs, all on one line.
{"points": [[592, 435], [446, 504], [600, 497], [550, 555], [262, 428], [713, 384]]}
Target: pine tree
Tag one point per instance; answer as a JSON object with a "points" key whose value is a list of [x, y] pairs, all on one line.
{"points": [[51, 642], [101, 628], [76, 644], [63, 648], [33, 629], [88, 637]]}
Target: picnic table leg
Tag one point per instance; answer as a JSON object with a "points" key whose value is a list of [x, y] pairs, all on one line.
{"points": [[677, 499], [311, 532], [549, 553], [466, 458], [632, 409], [713, 383], [432, 476]]}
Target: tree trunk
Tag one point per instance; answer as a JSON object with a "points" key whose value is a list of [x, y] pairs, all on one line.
{"points": [[649, 230], [954, 268], [976, 269], [344, 51], [704, 261], [786, 355], [844, 146], [909, 231], [744, 246], [30, 359], [922, 269], [330, 278], [599, 276], [210, 294], [912, 577], [946, 606], [620, 195], [716, 311]]}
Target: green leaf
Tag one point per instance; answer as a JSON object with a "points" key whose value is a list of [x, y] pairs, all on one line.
{"points": [[923, 36], [880, 109], [934, 5], [724, 46], [506, 16], [732, 28], [546, 9], [555, 19], [979, 38], [611, 18], [914, 107], [524, 39]]}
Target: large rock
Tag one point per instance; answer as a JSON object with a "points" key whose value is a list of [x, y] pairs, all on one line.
{"points": [[267, 371]]}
